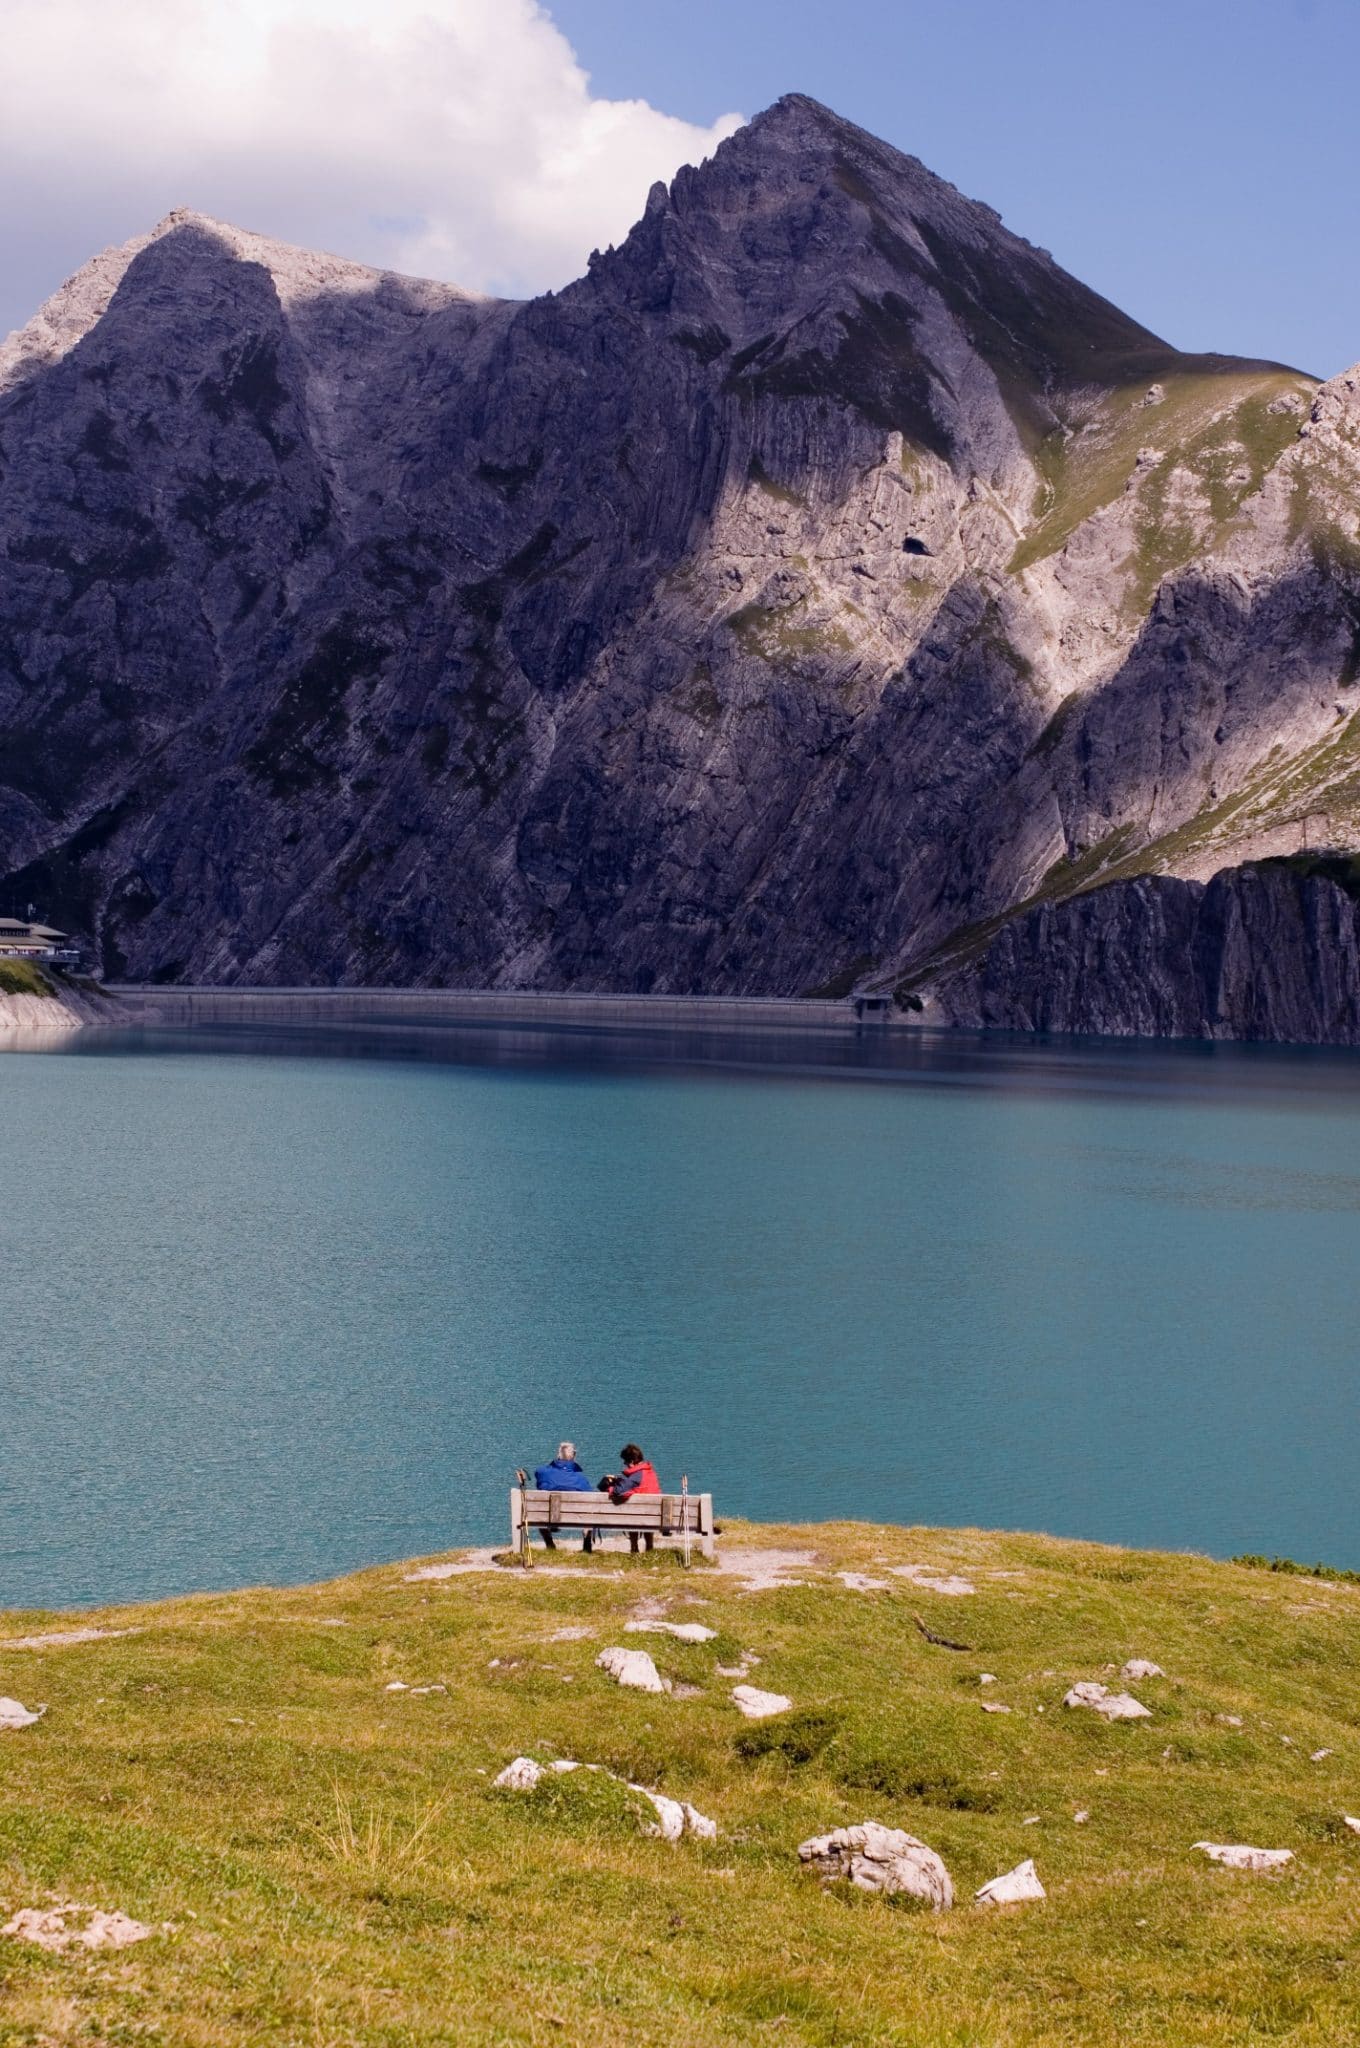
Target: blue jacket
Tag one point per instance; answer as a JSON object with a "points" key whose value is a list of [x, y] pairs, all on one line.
{"points": [[562, 1476]]}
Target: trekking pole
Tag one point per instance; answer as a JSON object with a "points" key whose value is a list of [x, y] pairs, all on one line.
{"points": [[525, 1551], [684, 1518]]}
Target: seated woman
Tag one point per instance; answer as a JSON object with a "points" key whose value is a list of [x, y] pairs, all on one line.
{"points": [[638, 1476]]}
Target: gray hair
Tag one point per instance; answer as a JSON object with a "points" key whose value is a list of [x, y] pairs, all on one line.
{"points": [[566, 1451]]}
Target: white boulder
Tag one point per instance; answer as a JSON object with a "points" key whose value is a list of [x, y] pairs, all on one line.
{"points": [[676, 1817], [758, 1705], [1140, 1667], [879, 1859], [1013, 1887], [13, 1714], [1239, 1856], [1112, 1706], [632, 1668]]}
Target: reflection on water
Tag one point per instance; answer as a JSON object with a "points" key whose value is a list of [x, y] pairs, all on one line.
{"points": [[282, 1301], [872, 1052]]}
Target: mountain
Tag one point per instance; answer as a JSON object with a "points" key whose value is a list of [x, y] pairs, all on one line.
{"points": [[822, 579]]}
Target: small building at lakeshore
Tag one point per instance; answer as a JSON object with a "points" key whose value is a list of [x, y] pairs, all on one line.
{"points": [[21, 939]]}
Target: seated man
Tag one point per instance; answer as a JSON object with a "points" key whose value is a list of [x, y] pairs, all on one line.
{"points": [[564, 1475], [638, 1476]]}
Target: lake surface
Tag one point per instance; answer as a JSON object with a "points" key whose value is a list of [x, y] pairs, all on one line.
{"points": [[277, 1304]]}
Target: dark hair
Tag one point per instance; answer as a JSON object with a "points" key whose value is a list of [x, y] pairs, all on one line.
{"points": [[631, 1455]]}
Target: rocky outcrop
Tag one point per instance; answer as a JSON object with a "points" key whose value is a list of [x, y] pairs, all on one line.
{"points": [[38, 1020], [875, 1858], [820, 578], [1269, 951]]}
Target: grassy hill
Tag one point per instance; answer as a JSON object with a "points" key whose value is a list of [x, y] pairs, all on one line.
{"points": [[327, 1862]]}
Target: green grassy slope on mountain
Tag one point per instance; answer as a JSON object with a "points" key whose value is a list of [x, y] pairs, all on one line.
{"points": [[327, 1861]]}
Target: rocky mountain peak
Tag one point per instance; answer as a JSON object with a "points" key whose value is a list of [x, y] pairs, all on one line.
{"points": [[822, 576]]}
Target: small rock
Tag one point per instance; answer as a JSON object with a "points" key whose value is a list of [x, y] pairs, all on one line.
{"points": [[1318, 1755], [416, 1690], [1081, 1816], [758, 1705], [859, 1582], [683, 1631], [1031, 1820], [987, 1678], [993, 1707], [520, 1776], [633, 1668], [13, 1714], [1229, 1720], [1141, 1667], [879, 1859], [676, 1817], [1112, 1706], [1352, 1823], [1238, 1856], [574, 1633], [1013, 1888], [397, 1685]]}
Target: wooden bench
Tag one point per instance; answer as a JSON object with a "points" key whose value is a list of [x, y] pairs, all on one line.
{"points": [[666, 1515]]}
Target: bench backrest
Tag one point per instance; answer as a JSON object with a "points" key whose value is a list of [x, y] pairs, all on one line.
{"points": [[544, 1509]]}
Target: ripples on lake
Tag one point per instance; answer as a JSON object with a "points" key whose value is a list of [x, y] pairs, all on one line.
{"points": [[277, 1303]]}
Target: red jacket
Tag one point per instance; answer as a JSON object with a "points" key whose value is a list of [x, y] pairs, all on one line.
{"points": [[635, 1479]]}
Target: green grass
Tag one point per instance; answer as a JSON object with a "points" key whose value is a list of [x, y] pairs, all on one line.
{"points": [[1214, 421], [337, 1868], [22, 978], [785, 635]]}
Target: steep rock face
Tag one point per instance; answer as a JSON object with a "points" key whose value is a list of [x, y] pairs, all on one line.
{"points": [[824, 575], [1267, 951]]}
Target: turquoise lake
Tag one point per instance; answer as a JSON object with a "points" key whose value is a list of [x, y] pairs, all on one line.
{"points": [[277, 1304]]}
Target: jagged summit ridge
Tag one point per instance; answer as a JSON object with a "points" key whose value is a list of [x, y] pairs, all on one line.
{"points": [[822, 576], [298, 275]]}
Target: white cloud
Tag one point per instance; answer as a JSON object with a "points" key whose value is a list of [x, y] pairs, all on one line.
{"points": [[451, 138]]}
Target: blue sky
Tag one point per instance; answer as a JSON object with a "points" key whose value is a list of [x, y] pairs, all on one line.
{"points": [[1199, 162]]}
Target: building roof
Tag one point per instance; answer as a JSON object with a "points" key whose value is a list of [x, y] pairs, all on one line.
{"points": [[19, 928]]}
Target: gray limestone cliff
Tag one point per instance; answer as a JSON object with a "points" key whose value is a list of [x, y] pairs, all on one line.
{"points": [[1267, 951], [820, 579]]}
